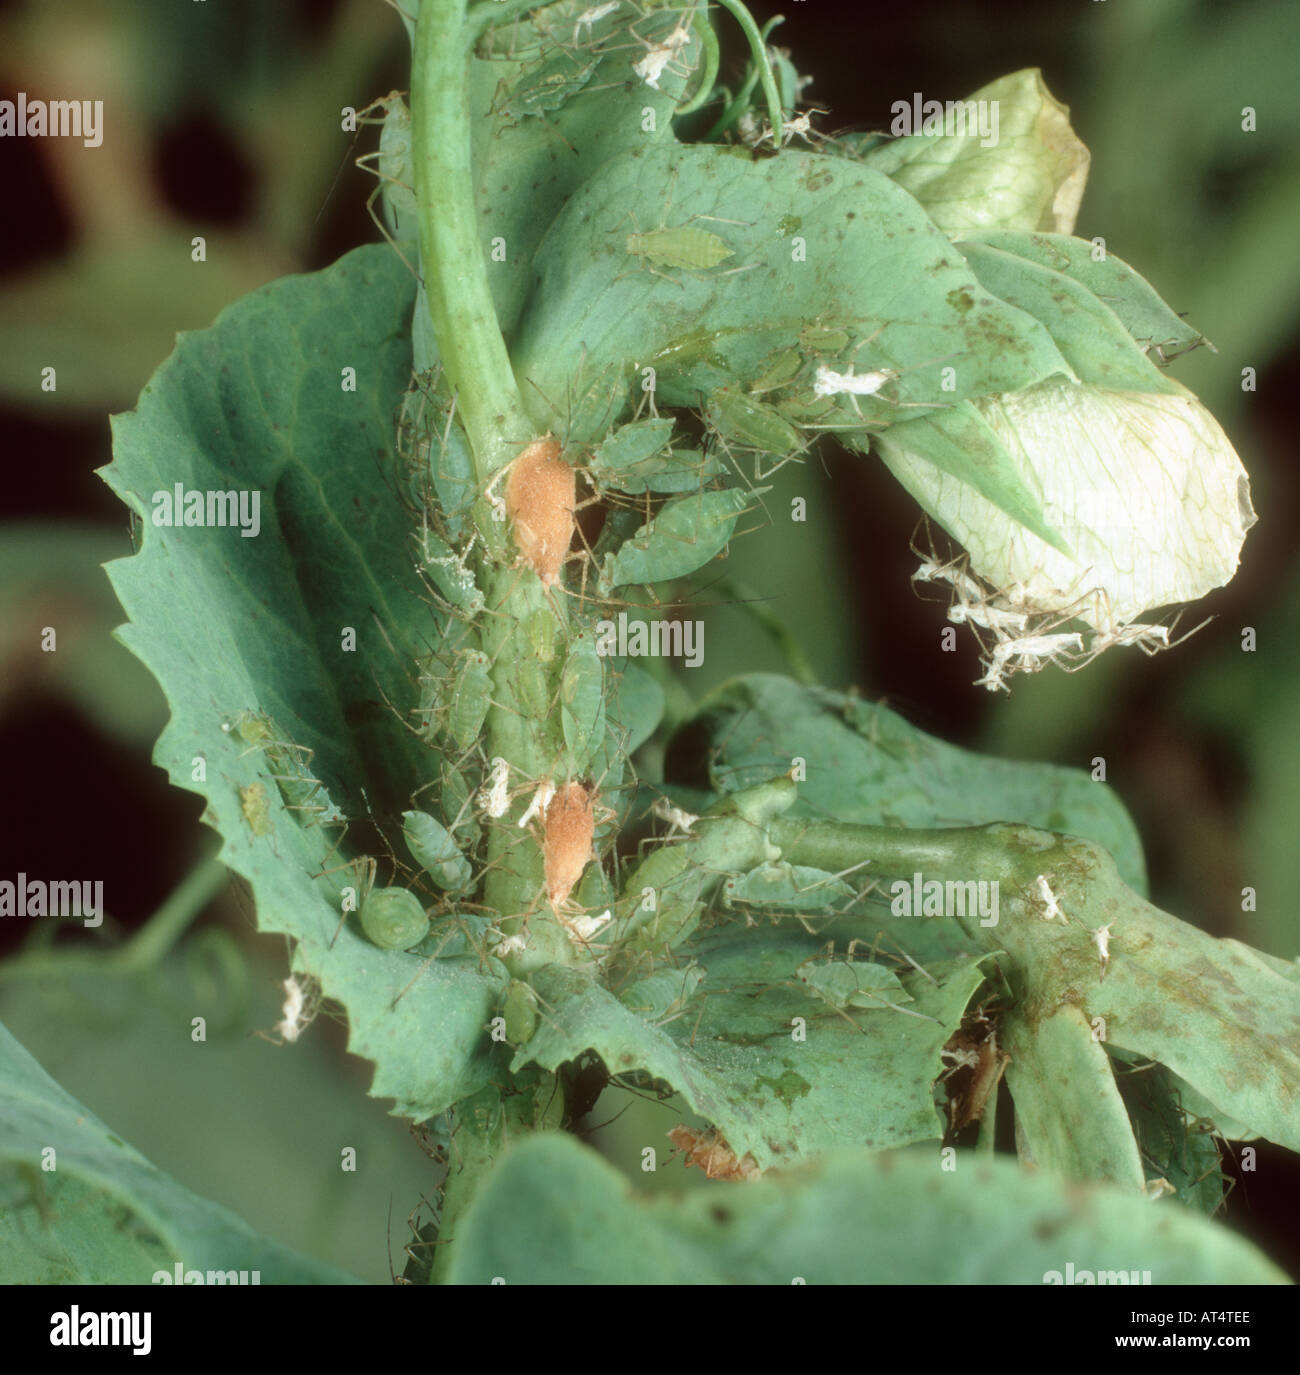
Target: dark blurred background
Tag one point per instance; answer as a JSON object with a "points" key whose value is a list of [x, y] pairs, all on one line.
{"points": [[224, 120]]}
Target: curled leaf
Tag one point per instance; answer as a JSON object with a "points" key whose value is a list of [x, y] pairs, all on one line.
{"points": [[1025, 169]]}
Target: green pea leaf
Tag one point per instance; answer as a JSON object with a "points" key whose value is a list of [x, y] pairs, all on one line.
{"points": [[985, 1223], [97, 1212], [1089, 334], [228, 624], [854, 228], [1151, 323]]}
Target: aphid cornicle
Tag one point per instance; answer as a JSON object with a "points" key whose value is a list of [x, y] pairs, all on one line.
{"points": [[566, 846], [541, 494]]}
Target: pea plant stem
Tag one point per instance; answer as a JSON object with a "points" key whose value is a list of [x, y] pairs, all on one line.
{"points": [[762, 63], [497, 424], [470, 346]]}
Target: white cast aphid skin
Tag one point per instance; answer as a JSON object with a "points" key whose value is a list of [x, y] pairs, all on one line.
{"points": [[494, 797], [511, 945], [962, 583], [582, 927], [658, 55], [1053, 907], [679, 821], [1147, 637], [1102, 936], [798, 127], [993, 618], [298, 1011], [591, 16], [972, 605], [1026, 654], [832, 383], [541, 800]]}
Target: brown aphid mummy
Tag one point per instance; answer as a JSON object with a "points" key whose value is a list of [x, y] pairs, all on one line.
{"points": [[707, 1150], [541, 493], [567, 841]]}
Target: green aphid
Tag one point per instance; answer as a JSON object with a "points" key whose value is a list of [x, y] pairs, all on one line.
{"points": [[545, 85], [455, 803], [520, 1012], [436, 852], [582, 702], [743, 420], [629, 446], [595, 890], [252, 727], [287, 762], [684, 470], [683, 536], [780, 371], [531, 675], [394, 918], [823, 339], [795, 888], [684, 246], [471, 695], [636, 458], [662, 995], [807, 411], [842, 984], [256, 806], [397, 180]]}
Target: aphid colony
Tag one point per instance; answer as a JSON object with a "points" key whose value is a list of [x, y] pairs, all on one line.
{"points": [[550, 674]]}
